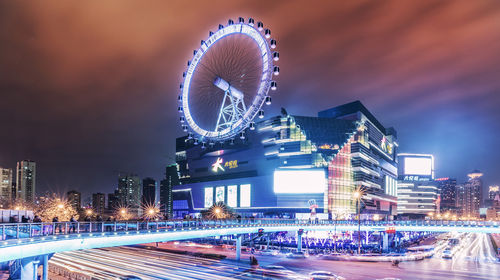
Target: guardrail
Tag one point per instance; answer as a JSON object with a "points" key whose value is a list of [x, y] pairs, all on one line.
{"points": [[30, 230]]}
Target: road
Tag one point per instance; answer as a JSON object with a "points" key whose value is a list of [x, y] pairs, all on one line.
{"points": [[473, 260]]}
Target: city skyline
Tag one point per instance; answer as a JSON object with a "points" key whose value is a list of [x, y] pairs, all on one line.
{"points": [[102, 116]]}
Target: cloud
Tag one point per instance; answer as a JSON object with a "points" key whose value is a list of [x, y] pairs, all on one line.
{"points": [[90, 88]]}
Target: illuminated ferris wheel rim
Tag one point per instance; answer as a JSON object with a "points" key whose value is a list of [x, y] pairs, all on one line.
{"points": [[264, 85]]}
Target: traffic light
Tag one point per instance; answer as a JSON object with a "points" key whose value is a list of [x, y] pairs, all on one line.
{"points": [[301, 231], [261, 231]]}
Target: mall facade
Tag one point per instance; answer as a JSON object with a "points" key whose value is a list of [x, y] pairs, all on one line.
{"points": [[291, 164]]}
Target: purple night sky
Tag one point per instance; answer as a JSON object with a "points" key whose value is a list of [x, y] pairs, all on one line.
{"points": [[89, 89]]}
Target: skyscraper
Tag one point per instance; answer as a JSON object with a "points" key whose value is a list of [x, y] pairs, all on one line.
{"points": [[5, 185], [493, 191], [26, 180], [469, 195], [130, 193], [149, 187], [113, 201], [171, 179], [75, 199], [448, 191], [99, 203]]}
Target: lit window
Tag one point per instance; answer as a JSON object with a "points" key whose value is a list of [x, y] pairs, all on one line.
{"points": [[209, 196], [219, 194], [245, 195], [232, 196]]}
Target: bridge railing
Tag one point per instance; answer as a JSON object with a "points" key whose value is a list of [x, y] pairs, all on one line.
{"points": [[30, 230]]}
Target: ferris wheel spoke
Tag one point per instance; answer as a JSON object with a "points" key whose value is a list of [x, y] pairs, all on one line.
{"points": [[231, 74]]}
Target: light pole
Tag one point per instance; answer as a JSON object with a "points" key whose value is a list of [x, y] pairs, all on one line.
{"points": [[335, 231], [357, 196]]}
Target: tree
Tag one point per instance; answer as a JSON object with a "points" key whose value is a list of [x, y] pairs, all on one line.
{"points": [[218, 211], [53, 206]]}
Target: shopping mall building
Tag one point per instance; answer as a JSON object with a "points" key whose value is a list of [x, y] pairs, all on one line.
{"points": [[290, 164]]}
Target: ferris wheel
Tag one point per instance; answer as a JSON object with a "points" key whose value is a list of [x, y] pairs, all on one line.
{"points": [[228, 81]]}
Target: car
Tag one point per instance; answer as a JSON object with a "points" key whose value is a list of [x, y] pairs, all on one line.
{"points": [[278, 272], [296, 255], [129, 277], [447, 254], [324, 275], [268, 252]]}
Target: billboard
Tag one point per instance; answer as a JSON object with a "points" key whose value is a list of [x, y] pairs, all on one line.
{"points": [[299, 181], [416, 167]]}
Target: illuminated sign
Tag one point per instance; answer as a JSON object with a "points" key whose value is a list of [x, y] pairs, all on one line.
{"points": [[231, 164], [299, 181], [415, 178], [418, 166], [219, 165], [442, 179], [386, 146], [329, 147]]}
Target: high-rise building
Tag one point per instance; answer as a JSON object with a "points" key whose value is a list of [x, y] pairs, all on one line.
{"points": [[493, 191], [469, 195], [417, 191], [149, 187], [130, 193], [113, 201], [99, 203], [26, 180], [171, 179], [75, 199], [5, 185], [448, 192]]}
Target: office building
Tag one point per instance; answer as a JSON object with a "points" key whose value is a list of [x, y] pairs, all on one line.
{"points": [[99, 203], [113, 201], [26, 180], [5, 185], [166, 186], [149, 187], [75, 199], [448, 193], [290, 164], [130, 193], [469, 195], [493, 191], [417, 190]]}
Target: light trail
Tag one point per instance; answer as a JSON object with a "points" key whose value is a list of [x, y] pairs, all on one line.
{"points": [[147, 264]]}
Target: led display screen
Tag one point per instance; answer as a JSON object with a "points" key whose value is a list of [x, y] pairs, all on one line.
{"points": [[418, 166], [209, 196], [245, 195], [299, 181], [232, 196]]}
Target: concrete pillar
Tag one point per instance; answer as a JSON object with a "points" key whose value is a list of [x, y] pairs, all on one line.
{"points": [[29, 268], [385, 242], [45, 267], [238, 247], [299, 242]]}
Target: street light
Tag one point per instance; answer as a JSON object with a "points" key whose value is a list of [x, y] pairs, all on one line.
{"points": [[60, 206], [357, 195], [89, 212]]}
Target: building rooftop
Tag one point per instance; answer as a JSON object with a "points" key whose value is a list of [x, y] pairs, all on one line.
{"points": [[354, 107]]}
